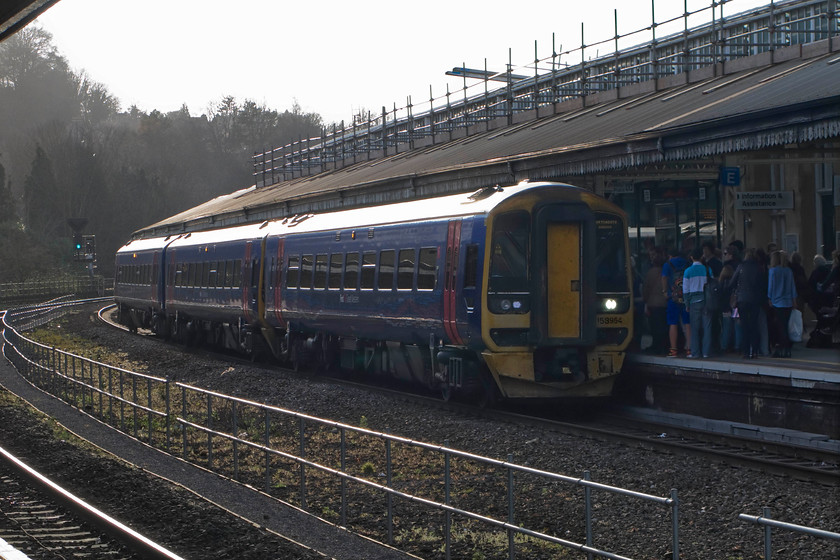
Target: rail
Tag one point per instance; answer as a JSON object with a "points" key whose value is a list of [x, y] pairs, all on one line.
{"points": [[263, 445], [765, 521], [673, 48]]}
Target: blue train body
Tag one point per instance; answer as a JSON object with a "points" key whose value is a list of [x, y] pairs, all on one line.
{"points": [[519, 292]]}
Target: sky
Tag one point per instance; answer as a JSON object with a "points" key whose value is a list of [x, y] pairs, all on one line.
{"points": [[333, 57]]}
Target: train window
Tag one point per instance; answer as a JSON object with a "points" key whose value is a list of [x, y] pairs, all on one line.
{"points": [[351, 271], [405, 271], [179, 275], [306, 262], [229, 274], [211, 281], [205, 275], [293, 272], [509, 270], [471, 267], [155, 272], [368, 269], [610, 258], [334, 282], [386, 270], [427, 268], [320, 272], [237, 273], [220, 275]]}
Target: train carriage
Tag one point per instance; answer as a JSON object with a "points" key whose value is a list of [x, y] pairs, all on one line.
{"points": [[212, 286], [138, 284], [521, 291]]}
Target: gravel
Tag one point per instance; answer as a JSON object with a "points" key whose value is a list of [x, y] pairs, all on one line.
{"points": [[711, 494]]}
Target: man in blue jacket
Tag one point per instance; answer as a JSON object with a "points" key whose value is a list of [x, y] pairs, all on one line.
{"points": [[694, 280]]}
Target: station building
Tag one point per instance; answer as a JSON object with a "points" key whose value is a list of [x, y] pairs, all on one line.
{"points": [[730, 130]]}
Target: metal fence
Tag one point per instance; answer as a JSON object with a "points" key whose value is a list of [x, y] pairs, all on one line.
{"points": [[765, 521], [296, 457], [674, 46], [40, 290]]}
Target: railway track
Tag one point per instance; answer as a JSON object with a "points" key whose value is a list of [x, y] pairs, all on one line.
{"points": [[44, 521], [777, 458]]}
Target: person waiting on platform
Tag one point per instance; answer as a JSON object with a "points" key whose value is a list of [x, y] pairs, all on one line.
{"points": [[676, 314], [655, 304], [781, 293], [750, 285], [694, 280]]}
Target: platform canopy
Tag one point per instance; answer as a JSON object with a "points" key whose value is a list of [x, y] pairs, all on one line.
{"points": [[15, 14]]}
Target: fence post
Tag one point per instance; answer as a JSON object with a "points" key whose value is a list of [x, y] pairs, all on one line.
{"points": [[510, 532], [184, 425], [446, 498], [768, 539], [302, 435], [168, 416], [587, 499], [235, 443], [343, 480], [209, 433], [675, 521], [150, 413], [390, 497]]}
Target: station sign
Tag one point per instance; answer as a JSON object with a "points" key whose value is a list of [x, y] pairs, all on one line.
{"points": [[764, 200]]}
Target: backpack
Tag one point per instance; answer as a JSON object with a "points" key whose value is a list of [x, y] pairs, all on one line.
{"points": [[713, 293], [677, 282]]}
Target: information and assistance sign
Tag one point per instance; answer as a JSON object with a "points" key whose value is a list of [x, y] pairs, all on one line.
{"points": [[764, 200]]}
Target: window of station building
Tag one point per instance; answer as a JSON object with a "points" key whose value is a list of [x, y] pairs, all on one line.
{"points": [[368, 270], [320, 272], [351, 271], [293, 272], [427, 268], [306, 263], [386, 270], [405, 270], [334, 281]]}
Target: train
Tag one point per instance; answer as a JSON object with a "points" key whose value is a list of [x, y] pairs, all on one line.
{"points": [[515, 292]]}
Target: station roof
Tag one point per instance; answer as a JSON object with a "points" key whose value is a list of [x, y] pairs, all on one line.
{"points": [[750, 104], [14, 14]]}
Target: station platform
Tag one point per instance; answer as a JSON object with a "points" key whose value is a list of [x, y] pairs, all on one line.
{"points": [[800, 393]]}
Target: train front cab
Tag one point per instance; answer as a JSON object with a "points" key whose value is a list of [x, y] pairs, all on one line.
{"points": [[557, 314]]}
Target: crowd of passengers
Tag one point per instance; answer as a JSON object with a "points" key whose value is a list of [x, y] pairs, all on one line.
{"points": [[746, 306]]}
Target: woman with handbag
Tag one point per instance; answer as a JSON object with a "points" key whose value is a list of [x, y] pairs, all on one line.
{"points": [[781, 293]]}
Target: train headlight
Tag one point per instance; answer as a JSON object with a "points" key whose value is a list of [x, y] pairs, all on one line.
{"points": [[505, 305], [614, 303]]}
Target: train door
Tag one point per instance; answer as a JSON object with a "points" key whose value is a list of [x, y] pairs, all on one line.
{"points": [[564, 280], [248, 292], [563, 275], [450, 286]]}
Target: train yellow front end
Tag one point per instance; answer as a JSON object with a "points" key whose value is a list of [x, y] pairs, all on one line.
{"points": [[557, 309]]}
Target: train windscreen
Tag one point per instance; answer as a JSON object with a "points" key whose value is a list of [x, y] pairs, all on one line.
{"points": [[509, 260], [610, 258]]}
